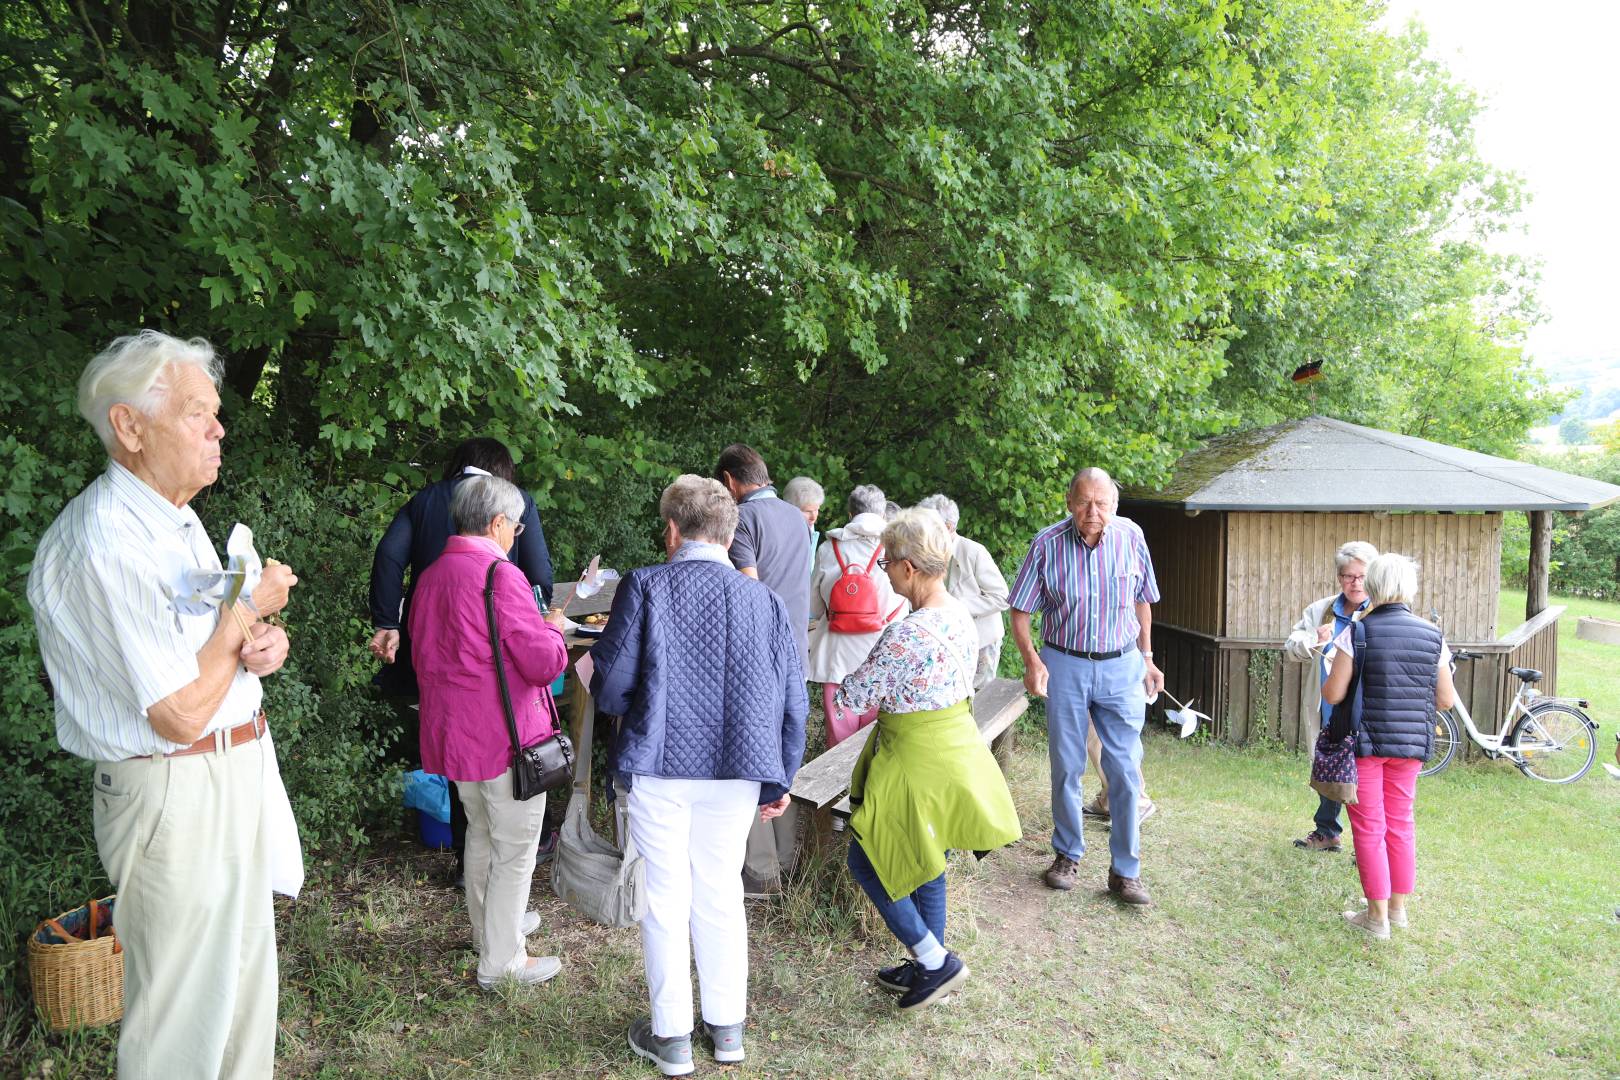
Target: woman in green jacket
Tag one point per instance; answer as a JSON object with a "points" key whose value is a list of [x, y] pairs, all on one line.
{"points": [[925, 782]]}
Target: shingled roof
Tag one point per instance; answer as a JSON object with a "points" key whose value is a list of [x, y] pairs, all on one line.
{"points": [[1328, 465]]}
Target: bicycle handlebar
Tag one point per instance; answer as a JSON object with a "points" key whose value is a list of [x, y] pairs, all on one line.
{"points": [[1461, 655]]}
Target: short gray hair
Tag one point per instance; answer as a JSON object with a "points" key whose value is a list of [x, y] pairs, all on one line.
{"points": [[701, 508], [1354, 551], [1392, 579], [130, 372], [866, 499], [945, 507], [918, 536], [803, 492], [479, 500]]}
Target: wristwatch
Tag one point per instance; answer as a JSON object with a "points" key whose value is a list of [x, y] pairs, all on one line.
{"points": [[1147, 654]]}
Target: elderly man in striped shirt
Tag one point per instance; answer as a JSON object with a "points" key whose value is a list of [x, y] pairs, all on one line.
{"points": [[1091, 578], [159, 689]]}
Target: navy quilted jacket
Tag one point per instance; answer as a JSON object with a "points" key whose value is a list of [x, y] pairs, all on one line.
{"points": [[703, 666]]}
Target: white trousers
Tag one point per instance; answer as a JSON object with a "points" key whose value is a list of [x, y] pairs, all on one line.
{"points": [[692, 834], [499, 871], [185, 843]]}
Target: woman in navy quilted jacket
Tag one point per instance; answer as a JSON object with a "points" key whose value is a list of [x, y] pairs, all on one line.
{"points": [[703, 665], [1405, 676]]}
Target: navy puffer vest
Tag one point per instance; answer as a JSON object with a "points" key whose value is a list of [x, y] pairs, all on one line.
{"points": [[1398, 675]]}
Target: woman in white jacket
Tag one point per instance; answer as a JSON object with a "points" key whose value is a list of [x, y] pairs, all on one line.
{"points": [[1320, 624], [834, 651]]}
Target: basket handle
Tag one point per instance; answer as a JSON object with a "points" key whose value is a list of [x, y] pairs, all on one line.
{"points": [[60, 931]]}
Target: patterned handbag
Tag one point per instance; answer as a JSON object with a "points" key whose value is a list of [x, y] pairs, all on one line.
{"points": [[1333, 768], [1333, 765]]}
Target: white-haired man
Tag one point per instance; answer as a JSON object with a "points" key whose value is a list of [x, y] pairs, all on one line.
{"points": [[974, 578], [159, 689], [1092, 578]]}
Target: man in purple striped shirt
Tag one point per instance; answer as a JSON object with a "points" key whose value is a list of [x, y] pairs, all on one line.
{"points": [[1091, 578]]}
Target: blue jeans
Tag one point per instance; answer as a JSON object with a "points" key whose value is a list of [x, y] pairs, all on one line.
{"points": [[1327, 817], [909, 918], [1110, 694]]}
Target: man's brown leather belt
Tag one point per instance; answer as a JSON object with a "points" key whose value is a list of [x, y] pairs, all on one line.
{"points": [[219, 740]]}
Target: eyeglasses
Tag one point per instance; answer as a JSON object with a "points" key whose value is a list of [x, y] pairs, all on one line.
{"points": [[884, 564], [517, 530], [1352, 579]]}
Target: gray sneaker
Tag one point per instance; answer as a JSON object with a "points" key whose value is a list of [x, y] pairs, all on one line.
{"points": [[673, 1055], [726, 1040]]}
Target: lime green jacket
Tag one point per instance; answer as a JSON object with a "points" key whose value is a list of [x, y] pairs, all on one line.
{"points": [[926, 783]]}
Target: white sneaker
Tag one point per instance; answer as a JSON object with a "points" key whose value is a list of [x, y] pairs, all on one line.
{"points": [[530, 923], [539, 969], [1364, 922]]}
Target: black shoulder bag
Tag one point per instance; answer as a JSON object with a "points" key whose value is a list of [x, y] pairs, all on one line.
{"points": [[548, 763]]}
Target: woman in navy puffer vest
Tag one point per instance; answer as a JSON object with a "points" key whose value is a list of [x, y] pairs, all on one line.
{"points": [[1405, 676]]}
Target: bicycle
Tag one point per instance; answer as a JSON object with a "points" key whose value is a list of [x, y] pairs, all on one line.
{"points": [[1547, 738]]}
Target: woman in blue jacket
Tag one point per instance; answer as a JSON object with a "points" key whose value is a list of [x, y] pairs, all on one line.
{"points": [[703, 665]]}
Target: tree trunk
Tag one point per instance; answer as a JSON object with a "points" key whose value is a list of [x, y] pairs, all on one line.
{"points": [[1535, 594]]}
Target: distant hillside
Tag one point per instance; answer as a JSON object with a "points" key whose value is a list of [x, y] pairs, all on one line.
{"points": [[1596, 377]]}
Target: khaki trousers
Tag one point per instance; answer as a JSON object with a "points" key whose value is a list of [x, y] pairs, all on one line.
{"points": [[502, 834], [184, 842]]}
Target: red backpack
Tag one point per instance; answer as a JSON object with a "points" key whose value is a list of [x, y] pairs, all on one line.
{"points": [[853, 606]]}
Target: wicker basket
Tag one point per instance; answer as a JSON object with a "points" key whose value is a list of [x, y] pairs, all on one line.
{"points": [[77, 968]]}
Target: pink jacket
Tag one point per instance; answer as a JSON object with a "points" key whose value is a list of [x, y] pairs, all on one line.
{"points": [[464, 733]]}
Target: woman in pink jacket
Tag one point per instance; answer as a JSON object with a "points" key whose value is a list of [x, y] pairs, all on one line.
{"points": [[464, 734]]}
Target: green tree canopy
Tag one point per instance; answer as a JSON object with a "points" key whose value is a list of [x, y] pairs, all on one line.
{"points": [[962, 246]]}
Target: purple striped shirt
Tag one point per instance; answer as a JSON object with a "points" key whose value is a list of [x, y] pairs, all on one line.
{"points": [[1087, 596]]}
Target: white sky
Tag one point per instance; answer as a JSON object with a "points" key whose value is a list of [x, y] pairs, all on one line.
{"points": [[1552, 94]]}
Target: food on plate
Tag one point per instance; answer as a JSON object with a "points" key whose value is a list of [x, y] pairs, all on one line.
{"points": [[595, 620]]}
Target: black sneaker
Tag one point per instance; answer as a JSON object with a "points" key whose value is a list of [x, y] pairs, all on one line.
{"points": [[898, 978], [928, 987]]}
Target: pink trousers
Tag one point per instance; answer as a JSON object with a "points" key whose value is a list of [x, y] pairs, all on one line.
{"points": [[1382, 825], [841, 723]]}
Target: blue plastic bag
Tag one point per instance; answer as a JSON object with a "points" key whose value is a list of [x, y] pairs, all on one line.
{"points": [[429, 793]]}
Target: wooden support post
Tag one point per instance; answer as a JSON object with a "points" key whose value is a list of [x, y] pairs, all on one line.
{"points": [[1535, 594]]}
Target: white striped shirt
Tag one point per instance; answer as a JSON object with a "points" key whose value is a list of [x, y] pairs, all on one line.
{"points": [[108, 589]]}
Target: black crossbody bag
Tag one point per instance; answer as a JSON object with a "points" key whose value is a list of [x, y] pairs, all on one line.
{"points": [[548, 763]]}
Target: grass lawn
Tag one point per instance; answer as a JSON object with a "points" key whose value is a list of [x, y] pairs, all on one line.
{"points": [[1241, 969]]}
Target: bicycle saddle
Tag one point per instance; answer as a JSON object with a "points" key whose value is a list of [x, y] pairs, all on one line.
{"points": [[1528, 674]]}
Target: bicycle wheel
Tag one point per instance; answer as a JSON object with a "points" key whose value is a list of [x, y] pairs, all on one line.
{"points": [[1445, 743], [1554, 743]]}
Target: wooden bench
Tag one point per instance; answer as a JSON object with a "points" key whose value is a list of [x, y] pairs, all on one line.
{"points": [[822, 785]]}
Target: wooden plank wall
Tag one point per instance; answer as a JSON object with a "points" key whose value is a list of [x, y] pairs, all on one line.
{"points": [[1276, 563], [1189, 559]]}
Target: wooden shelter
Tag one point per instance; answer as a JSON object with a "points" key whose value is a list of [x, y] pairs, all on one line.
{"points": [[1243, 538]]}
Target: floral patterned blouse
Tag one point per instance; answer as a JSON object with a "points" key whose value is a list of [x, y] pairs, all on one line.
{"points": [[910, 669]]}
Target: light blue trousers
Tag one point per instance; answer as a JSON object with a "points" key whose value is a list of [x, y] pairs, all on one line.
{"points": [[1110, 694]]}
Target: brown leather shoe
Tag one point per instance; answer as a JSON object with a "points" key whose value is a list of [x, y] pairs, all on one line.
{"points": [[1318, 842], [1130, 890], [1063, 874], [1096, 808]]}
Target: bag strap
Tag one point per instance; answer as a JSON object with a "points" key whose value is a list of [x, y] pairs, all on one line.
{"points": [[843, 567], [876, 553], [500, 665], [1358, 647], [960, 666]]}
